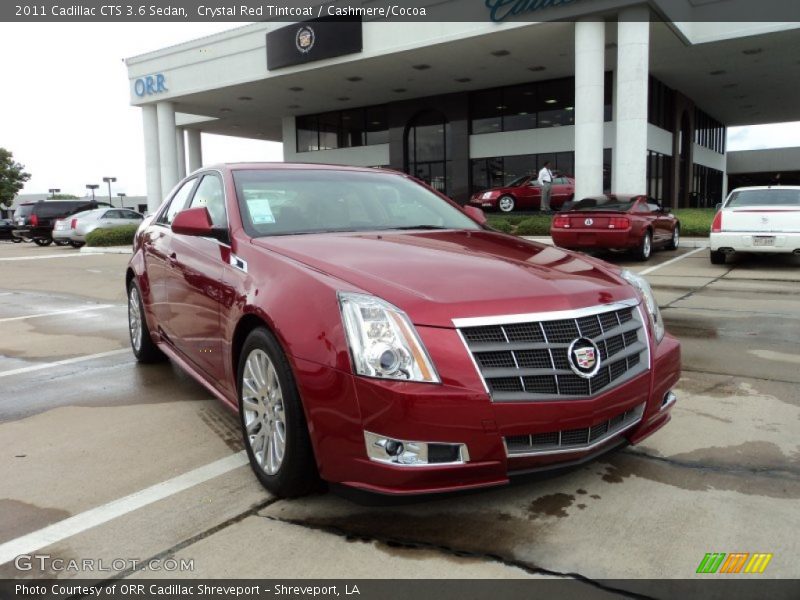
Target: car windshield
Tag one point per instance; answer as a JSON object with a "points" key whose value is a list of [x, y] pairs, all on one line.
{"points": [[611, 204], [766, 197], [293, 201], [519, 181]]}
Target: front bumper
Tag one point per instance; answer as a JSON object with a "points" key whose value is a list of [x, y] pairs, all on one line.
{"points": [[483, 202], [594, 238], [784, 243], [458, 414]]}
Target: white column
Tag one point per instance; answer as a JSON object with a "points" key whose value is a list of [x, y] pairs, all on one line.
{"points": [[181, 148], [195, 149], [589, 79], [151, 157], [630, 101], [167, 146]]}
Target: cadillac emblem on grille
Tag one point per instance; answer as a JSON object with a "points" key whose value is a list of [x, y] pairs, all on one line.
{"points": [[584, 357]]}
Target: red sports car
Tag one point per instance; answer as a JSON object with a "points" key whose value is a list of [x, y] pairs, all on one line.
{"points": [[372, 333], [525, 193], [616, 222]]}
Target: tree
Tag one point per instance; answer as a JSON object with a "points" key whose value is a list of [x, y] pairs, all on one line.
{"points": [[63, 197], [12, 177]]}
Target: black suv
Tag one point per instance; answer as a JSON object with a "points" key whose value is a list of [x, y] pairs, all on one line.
{"points": [[35, 220]]}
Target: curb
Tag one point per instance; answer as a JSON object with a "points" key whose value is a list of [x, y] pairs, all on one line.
{"points": [[684, 243], [106, 250]]}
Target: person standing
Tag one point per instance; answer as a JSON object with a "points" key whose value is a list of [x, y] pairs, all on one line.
{"points": [[546, 181]]}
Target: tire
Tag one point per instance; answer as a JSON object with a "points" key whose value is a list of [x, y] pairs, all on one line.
{"points": [[717, 257], [676, 238], [43, 242], [16, 240], [142, 344], [506, 203], [270, 411], [76, 244], [645, 247], [61, 243]]}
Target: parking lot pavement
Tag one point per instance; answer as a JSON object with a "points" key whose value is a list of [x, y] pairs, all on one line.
{"points": [[114, 457]]}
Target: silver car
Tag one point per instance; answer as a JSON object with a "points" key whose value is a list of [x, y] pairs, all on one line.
{"points": [[101, 218], [63, 228]]}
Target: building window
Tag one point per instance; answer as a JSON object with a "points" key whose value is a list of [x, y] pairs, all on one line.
{"points": [[661, 105], [706, 187], [428, 150], [659, 176], [708, 132], [342, 129], [499, 171]]}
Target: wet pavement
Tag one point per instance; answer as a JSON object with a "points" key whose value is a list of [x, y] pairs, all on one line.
{"points": [[82, 426]]}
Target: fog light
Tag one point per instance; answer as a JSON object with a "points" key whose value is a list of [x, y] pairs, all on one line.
{"points": [[412, 454], [669, 400]]}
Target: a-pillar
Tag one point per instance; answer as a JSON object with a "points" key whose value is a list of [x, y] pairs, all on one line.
{"points": [[590, 38], [195, 149], [167, 146], [181, 148], [151, 157], [630, 101]]}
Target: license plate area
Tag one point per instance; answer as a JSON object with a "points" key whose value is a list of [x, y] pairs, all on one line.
{"points": [[764, 240]]}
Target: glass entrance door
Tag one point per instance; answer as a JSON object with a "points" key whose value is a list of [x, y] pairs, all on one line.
{"points": [[427, 150]]}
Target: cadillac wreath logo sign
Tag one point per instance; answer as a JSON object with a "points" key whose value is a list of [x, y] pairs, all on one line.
{"points": [[584, 358], [304, 40]]}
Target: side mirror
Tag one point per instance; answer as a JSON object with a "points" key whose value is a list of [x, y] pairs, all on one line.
{"points": [[719, 205], [193, 221], [476, 214]]}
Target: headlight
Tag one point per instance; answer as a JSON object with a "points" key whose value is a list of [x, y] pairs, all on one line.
{"points": [[383, 342], [640, 283]]}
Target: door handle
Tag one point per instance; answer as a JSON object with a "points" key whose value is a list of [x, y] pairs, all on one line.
{"points": [[173, 258]]}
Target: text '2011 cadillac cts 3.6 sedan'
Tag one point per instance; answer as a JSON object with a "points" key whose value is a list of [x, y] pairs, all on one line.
{"points": [[370, 333]]}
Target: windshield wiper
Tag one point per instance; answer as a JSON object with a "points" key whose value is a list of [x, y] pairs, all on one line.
{"points": [[406, 227]]}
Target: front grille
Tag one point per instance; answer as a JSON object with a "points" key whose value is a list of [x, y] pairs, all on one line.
{"points": [[573, 440], [529, 361]]}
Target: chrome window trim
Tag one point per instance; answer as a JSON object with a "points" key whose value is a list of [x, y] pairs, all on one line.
{"points": [[544, 316]]}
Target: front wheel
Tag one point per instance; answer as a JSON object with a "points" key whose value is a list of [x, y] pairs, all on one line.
{"points": [[43, 242], [676, 238], [61, 242], [645, 247], [75, 244], [144, 349], [16, 240], [272, 419], [506, 204]]}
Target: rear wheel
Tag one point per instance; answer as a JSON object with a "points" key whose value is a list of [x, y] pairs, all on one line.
{"points": [[645, 247], [272, 419], [75, 244], [16, 240], [676, 238], [61, 242], [144, 349], [717, 257], [506, 204], [43, 242]]}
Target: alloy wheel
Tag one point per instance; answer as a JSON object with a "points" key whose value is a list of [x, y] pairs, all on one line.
{"points": [[135, 318], [263, 409]]}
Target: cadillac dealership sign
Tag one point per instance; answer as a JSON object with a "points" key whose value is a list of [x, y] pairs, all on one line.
{"points": [[499, 10]]}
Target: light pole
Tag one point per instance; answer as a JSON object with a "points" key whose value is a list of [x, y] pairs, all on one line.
{"points": [[122, 199], [93, 187], [109, 181], [53, 192]]}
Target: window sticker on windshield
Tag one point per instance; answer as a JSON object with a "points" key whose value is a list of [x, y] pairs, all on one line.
{"points": [[260, 211]]}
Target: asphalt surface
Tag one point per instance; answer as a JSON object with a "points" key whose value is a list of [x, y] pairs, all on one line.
{"points": [[82, 427]]}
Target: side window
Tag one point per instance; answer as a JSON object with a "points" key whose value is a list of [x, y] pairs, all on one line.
{"points": [[129, 214], [642, 207], [652, 206], [209, 194], [177, 204], [112, 214]]}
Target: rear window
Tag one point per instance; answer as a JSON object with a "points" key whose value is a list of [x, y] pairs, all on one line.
{"points": [[23, 210], [55, 209], [769, 197], [612, 204]]}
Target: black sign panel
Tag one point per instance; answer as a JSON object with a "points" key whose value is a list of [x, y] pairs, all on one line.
{"points": [[312, 40]]}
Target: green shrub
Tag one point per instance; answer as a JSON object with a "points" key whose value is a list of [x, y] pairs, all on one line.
{"points": [[536, 225], [695, 222], [114, 236], [504, 226]]}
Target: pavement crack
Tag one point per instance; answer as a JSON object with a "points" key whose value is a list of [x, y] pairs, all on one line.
{"points": [[775, 472], [411, 544], [694, 291], [738, 375]]}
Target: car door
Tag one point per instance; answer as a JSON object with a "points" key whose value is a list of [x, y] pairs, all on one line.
{"points": [[529, 194], [662, 222], [644, 213], [156, 248], [194, 283]]}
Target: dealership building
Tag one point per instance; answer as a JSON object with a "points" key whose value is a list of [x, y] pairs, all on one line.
{"points": [[625, 95]]}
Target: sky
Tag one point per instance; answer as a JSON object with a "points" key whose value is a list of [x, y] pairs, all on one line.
{"points": [[65, 113]]}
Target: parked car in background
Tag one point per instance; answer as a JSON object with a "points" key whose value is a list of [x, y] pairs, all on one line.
{"points": [[616, 222], [524, 193], [34, 220], [371, 332], [101, 218], [63, 229], [764, 219], [6, 229]]}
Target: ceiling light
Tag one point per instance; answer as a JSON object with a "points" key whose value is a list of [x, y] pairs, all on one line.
{"points": [[550, 101], [354, 79], [500, 53], [718, 72], [569, 108], [293, 106], [501, 107], [421, 67], [463, 79], [730, 85], [375, 123], [343, 98], [752, 51], [399, 90], [527, 93], [225, 110], [235, 127], [295, 88], [537, 68], [245, 98]]}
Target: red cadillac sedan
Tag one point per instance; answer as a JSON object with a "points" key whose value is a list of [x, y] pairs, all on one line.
{"points": [[616, 222], [370, 332], [525, 193]]}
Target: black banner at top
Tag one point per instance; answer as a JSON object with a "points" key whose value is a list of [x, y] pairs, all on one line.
{"points": [[312, 40]]}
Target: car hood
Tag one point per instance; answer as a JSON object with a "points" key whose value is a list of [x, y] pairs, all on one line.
{"points": [[438, 276]]}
